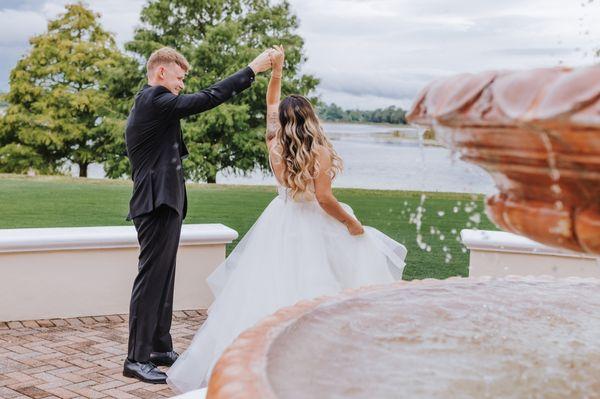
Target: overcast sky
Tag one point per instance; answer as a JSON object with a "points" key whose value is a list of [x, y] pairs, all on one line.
{"points": [[377, 53]]}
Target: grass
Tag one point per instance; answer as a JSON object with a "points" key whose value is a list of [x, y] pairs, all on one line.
{"points": [[67, 202]]}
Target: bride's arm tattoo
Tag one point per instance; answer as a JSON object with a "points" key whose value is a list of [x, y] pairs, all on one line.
{"points": [[272, 124]]}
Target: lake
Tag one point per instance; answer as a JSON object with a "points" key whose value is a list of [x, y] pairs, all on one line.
{"points": [[382, 157]]}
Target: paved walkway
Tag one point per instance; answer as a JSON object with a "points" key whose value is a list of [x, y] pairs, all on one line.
{"points": [[78, 358]]}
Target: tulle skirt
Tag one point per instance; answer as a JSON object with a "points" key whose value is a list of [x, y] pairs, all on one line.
{"points": [[294, 251]]}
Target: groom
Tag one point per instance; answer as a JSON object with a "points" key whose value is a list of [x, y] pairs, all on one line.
{"points": [[158, 205]]}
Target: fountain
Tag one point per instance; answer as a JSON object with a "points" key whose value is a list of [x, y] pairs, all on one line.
{"points": [[538, 134]]}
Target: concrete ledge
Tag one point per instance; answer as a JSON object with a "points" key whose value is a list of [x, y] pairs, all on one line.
{"points": [[74, 272], [498, 253], [67, 238]]}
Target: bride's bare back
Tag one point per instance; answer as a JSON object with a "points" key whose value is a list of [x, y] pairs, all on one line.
{"points": [[302, 148]]}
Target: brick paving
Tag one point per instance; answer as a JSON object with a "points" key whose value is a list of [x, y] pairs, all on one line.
{"points": [[78, 358]]}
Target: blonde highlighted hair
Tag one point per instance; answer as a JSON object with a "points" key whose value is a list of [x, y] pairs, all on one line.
{"points": [[298, 139], [167, 55]]}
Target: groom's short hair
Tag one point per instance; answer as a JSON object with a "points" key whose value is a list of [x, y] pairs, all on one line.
{"points": [[167, 55]]}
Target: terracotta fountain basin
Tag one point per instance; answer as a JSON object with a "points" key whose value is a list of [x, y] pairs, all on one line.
{"points": [[537, 133], [467, 338]]}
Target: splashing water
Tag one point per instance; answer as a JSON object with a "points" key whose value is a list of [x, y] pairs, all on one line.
{"points": [[554, 172], [474, 217], [417, 219]]}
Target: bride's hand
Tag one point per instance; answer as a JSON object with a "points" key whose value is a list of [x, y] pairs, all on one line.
{"points": [[354, 227], [277, 57]]}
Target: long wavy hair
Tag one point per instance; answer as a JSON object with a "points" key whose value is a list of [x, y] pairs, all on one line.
{"points": [[298, 138]]}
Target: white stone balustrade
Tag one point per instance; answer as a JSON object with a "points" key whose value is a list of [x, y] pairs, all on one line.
{"points": [[498, 253], [70, 272]]}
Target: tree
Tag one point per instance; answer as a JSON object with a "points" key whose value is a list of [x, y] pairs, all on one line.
{"points": [[391, 114], [58, 103], [219, 37], [331, 112]]}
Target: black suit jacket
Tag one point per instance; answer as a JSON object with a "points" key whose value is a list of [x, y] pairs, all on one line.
{"points": [[155, 144]]}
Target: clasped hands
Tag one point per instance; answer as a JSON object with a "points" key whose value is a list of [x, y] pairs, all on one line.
{"points": [[270, 58]]}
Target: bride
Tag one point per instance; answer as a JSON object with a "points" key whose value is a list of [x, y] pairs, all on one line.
{"points": [[305, 244]]}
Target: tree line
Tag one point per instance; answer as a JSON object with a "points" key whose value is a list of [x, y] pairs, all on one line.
{"points": [[333, 112], [70, 95]]}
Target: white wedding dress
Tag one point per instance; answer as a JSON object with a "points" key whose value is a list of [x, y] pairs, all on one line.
{"points": [[294, 251]]}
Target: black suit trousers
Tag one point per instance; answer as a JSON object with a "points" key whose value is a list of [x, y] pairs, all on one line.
{"points": [[151, 308]]}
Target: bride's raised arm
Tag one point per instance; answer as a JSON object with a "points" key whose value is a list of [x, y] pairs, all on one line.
{"points": [[274, 92]]}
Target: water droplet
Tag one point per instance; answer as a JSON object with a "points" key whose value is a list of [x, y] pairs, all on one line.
{"points": [[475, 218]]}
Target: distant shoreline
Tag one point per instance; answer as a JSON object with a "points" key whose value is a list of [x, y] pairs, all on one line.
{"points": [[383, 124]]}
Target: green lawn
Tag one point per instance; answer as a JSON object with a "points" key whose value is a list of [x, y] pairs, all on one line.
{"points": [[62, 201]]}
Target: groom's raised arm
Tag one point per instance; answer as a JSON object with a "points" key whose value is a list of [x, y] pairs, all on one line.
{"points": [[184, 105]]}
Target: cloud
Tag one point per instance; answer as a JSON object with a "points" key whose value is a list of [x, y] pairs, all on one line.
{"points": [[20, 20], [528, 51], [375, 53], [17, 26], [21, 4], [393, 86], [390, 55]]}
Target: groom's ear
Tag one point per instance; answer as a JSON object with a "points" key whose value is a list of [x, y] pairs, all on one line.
{"points": [[161, 71]]}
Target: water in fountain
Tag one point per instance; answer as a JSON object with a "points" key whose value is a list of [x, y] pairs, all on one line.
{"points": [[509, 338]]}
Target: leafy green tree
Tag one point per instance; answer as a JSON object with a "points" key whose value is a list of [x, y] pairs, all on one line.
{"points": [[58, 102], [219, 37], [334, 112], [331, 112]]}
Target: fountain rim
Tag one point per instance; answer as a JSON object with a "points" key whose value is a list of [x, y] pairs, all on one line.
{"points": [[241, 371]]}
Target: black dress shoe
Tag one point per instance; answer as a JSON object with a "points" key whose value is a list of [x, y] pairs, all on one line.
{"points": [[144, 371], [164, 358]]}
